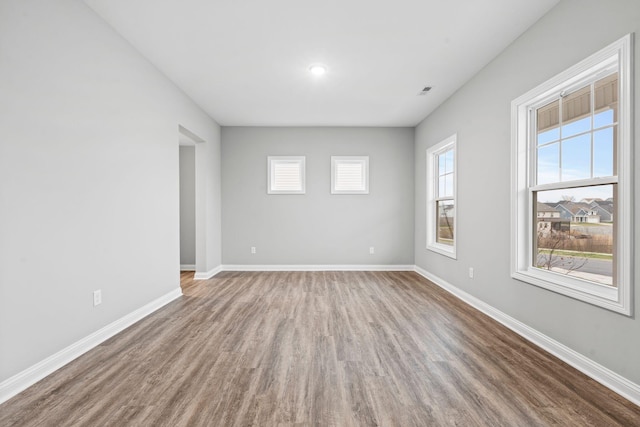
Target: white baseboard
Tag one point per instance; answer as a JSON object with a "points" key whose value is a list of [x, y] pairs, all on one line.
{"points": [[207, 274], [19, 382], [603, 375], [298, 267], [187, 267], [314, 267]]}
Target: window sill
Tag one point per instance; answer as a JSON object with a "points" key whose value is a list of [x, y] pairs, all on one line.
{"points": [[599, 295], [445, 250], [360, 192]]}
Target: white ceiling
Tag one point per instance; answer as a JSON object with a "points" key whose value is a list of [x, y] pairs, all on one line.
{"points": [[245, 62]]}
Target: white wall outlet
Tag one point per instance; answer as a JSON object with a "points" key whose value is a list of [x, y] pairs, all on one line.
{"points": [[253, 249], [470, 272], [372, 250], [97, 297]]}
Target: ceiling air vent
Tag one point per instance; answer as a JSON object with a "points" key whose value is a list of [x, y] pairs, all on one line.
{"points": [[424, 91]]}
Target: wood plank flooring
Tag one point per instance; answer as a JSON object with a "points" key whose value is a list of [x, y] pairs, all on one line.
{"points": [[317, 348]]}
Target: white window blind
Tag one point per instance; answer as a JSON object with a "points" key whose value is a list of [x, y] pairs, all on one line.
{"points": [[286, 175], [349, 174]]}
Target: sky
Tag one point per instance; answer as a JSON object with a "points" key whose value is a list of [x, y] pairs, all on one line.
{"points": [[571, 157]]}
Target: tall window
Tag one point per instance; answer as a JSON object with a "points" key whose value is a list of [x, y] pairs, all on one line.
{"points": [[441, 197], [286, 175], [572, 195]]}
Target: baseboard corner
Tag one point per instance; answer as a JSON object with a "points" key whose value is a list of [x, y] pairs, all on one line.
{"points": [[205, 275]]}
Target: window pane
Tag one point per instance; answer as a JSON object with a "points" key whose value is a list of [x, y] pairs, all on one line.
{"points": [[603, 152], [574, 128], [449, 161], [606, 100], [445, 185], [603, 118], [448, 185], [445, 215], [548, 164], [548, 136], [576, 112], [575, 232], [441, 165], [576, 158]]}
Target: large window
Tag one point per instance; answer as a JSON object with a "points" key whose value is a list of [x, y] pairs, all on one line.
{"points": [[572, 184], [286, 175], [441, 197]]}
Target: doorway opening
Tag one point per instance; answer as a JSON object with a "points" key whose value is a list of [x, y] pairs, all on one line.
{"points": [[188, 148]]}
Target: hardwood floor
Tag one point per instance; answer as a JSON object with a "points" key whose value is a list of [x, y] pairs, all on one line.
{"points": [[317, 348]]}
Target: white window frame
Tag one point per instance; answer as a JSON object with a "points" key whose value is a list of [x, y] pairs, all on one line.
{"points": [[432, 196], [363, 160], [272, 161], [618, 299]]}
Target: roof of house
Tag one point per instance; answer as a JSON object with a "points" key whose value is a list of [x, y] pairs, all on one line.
{"points": [[574, 207], [606, 206], [545, 207]]}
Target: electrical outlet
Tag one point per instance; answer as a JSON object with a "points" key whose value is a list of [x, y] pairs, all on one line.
{"points": [[253, 249], [372, 250], [470, 272], [97, 297]]}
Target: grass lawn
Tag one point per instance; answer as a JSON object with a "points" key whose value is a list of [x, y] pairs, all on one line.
{"points": [[578, 254], [591, 224]]}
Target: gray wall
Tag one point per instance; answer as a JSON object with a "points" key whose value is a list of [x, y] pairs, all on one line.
{"points": [[480, 113], [89, 194], [317, 227], [187, 205]]}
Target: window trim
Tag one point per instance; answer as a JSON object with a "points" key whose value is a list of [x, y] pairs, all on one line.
{"points": [[365, 173], [432, 170], [273, 160], [618, 299]]}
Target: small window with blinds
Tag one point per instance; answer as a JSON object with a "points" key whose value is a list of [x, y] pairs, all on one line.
{"points": [[349, 174], [286, 175]]}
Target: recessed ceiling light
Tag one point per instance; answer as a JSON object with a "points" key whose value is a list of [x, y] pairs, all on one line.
{"points": [[317, 69]]}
